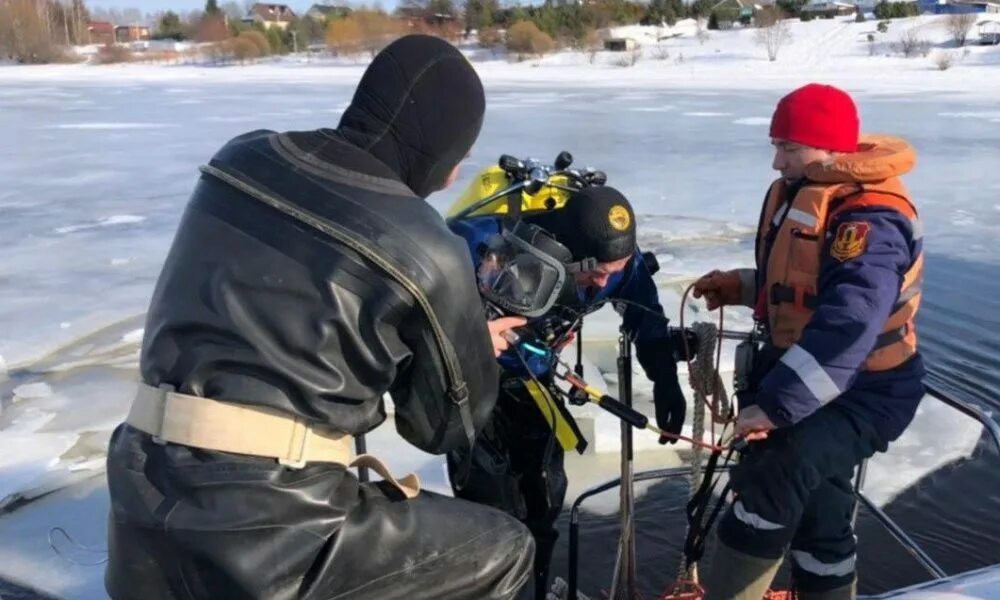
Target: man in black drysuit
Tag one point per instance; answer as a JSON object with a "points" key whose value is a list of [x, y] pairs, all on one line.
{"points": [[309, 277]]}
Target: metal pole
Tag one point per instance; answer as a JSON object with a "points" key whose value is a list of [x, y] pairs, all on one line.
{"points": [[971, 410], [897, 532], [859, 482], [623, 584]]}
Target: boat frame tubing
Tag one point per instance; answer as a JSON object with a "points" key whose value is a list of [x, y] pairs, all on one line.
{"points": [[970, 410]]}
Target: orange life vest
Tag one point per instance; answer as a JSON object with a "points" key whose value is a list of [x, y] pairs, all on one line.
{"points": [[866, 178]]}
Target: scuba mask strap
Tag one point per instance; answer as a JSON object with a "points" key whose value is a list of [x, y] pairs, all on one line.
{"points": [[581, 266]]}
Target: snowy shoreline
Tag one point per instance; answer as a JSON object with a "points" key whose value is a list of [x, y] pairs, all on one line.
{"points": [[835, 51]]}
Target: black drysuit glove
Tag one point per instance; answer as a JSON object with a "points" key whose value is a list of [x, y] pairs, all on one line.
{"points": [[657, 359]]}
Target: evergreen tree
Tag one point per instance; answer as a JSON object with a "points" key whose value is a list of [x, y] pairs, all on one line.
{"points": [[170, 27], [276, 40]]}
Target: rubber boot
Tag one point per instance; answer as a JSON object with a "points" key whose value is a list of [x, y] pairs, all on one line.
{"points": [[738, 576], [844, 592]]}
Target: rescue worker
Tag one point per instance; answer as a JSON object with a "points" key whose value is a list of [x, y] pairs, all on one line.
{"points": [[517, 464], [836, 286], [309, 277]]}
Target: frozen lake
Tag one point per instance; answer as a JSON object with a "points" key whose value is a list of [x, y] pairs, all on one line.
{"points": [[96, 175]]}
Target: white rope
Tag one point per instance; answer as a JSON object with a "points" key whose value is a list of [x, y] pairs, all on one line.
{"points": [[706, 383]]}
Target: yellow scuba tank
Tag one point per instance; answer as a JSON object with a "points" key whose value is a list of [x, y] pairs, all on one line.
{"points": [[493, 179]]}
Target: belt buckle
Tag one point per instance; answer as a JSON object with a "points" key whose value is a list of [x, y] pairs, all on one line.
{"points": [[164, 389], [296, 451]]}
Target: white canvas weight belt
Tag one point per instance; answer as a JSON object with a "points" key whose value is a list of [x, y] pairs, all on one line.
{"points": [[254, 430]]}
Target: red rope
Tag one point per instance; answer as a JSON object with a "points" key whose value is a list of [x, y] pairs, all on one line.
{"points": [[693, 442]]}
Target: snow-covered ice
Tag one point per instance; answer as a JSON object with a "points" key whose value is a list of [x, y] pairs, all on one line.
{"points": [[105, 157]]}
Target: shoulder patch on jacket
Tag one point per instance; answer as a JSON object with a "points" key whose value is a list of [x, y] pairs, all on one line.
{"points": [[851, 240]]}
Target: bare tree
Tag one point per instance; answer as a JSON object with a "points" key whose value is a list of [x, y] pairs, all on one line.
{"points": [[592, 44], [212, 29], [772, 31], [629, 58], [123, 16], [377, 28], [525, 39], [636, 54], [234, 11], [700, 32], [80, 15], [344, 36], [490, 38], [26, 32], [944, 59], [110, 54], [911, 44], [259, 41], [244, 49], [220, 52], [959, 25]]}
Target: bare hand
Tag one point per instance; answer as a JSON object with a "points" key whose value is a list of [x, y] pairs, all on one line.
{"points": [[566, 341], [752, 424], [498, 327], [720, 288]]}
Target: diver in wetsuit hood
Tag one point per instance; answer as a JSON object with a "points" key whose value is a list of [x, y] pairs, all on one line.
{"points": [[308, 278]]}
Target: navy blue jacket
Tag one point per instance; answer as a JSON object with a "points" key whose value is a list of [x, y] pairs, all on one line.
{"points": [[854, 299]]}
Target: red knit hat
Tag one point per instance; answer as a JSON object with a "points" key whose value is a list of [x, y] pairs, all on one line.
{"points": [[819, 116]]}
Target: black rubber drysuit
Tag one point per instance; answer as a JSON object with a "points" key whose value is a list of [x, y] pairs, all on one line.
{"points": [[262, 302]]}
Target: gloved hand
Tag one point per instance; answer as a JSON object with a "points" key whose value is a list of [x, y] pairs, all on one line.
{"points": [[657, 359], [670, 408], [720, 288]]}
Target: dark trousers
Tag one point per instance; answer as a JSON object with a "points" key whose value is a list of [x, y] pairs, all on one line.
{"points": [[794, 491], [517, 466], [191, 524]]}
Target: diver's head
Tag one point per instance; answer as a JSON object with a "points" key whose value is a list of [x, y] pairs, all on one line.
{"points": [[597, 225], [418, 108]]}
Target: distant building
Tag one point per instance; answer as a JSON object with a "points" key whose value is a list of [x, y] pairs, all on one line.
{"points": [[952, 7], [989, 32], [131, 33], [321, 12], [270, 15], [623, 44], [827, 7], [979, 6], [101, 32], [728, 12]]}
